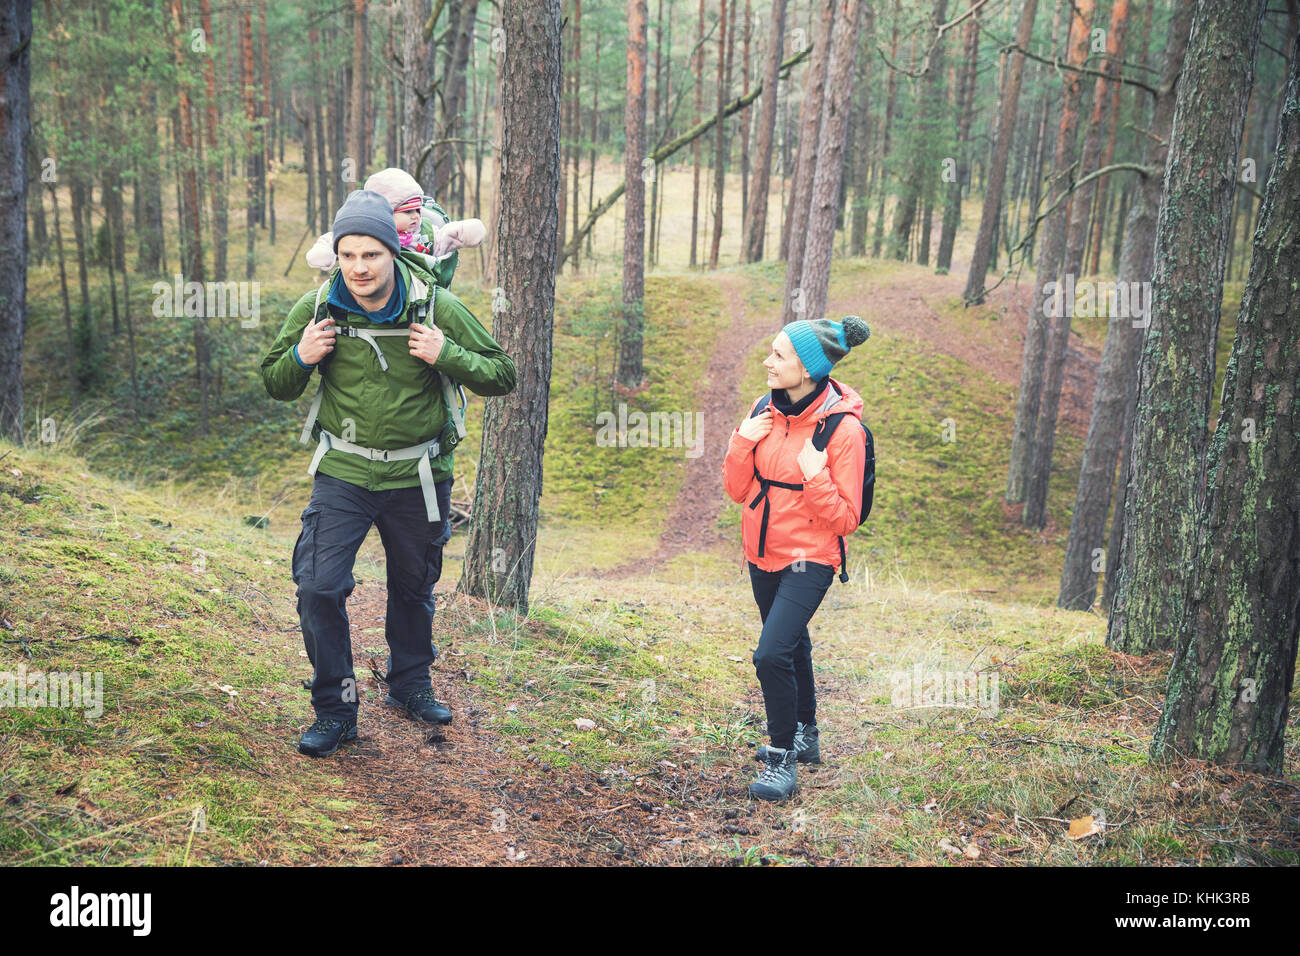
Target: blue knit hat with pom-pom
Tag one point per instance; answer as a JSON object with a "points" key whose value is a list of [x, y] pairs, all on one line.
{"points": [[821, 343]]}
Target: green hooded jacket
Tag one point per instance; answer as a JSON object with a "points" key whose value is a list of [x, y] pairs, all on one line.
{"points": [[390, 409]]}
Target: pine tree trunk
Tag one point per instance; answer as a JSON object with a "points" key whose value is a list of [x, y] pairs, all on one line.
{"points": [[965, 108], [499, 553], [250, 150], [756, 218], [630, 370], [744, 122], [721, 152], [1108, 153], [652, 243], [878, 238], [912, 193], [1176, 373], [356, 108], [699, 114], [324, 201], [1040, 465], [1234, 668], [1117, 376], [830, 156], [419, 81], [575, 124], [265, 179], [15, 130], [1045, 302], [216, 170], [860, 157], [810, 122], [493, 272], [979, 262]]}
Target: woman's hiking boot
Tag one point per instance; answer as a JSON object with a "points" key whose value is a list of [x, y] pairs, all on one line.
{"points": [[323, 737], [777, 780], [807, 745]]}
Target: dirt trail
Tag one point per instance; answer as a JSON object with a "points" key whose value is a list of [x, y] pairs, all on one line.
{"points": [[693, 524], [900, 307], [460, 794]]}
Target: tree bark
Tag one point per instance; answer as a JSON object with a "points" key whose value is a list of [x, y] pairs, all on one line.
{"points": [[1040, 464], [1236, 657], [721, 153], [1044, 302], [1176, 373], [1117, 377], [419, 81], [827, 178], [997, 176], [965, 108], [220, 223], [756, 217], [499, 553], [630, 370], [250, 149], [878, 238], [810, 122], [15, 131]]}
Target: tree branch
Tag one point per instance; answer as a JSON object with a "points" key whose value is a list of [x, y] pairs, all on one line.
{"points": [[1032, 228], [663, 152]]}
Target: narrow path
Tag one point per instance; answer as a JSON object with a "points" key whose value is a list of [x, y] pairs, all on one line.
{"points": [[901, 307], [464, 794], [692, 525]]}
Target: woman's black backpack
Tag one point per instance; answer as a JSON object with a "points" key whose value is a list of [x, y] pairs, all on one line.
{"points": [[820, 439]]}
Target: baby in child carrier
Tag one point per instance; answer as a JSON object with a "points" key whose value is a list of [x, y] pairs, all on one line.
{"points": [[422, 227]]}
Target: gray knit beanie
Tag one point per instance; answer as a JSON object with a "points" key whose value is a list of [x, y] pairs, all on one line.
{"points": [[367, 213]]}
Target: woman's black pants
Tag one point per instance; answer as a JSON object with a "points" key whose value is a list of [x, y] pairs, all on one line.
{"points": [[787, 600]]}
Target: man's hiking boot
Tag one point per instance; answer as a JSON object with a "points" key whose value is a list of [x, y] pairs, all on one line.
{"points": [[422, 706], [807, 745], [777, 781], [324, 736]]}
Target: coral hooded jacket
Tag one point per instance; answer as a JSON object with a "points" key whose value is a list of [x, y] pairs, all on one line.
{"points": [[802, 524]]}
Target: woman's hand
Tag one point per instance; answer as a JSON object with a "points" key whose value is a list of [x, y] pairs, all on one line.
{"points": [[757, 427], [811, 461], [426, 342]]}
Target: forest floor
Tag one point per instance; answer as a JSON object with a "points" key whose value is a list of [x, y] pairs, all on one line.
{"points": [[616, 723]]}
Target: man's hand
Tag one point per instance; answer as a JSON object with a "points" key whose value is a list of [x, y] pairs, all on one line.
{"points": [[426, 342], [757, 427], [317, 340]]}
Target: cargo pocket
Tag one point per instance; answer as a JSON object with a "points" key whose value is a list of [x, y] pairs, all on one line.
{"points": [[433, 562], [304, 549]]}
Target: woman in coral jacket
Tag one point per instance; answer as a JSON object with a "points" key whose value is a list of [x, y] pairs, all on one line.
{"points": [[807, 499]]}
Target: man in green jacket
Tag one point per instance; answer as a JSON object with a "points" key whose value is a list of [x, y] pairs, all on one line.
{"points": [[390, 347]]}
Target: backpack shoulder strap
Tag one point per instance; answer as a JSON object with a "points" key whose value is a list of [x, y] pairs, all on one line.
{"points": [[762, 404], [320, 294], [825, 428]]}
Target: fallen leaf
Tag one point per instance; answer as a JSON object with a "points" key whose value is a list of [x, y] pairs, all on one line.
{"points": [[972, 851], [931, 805], [946, 845], [1083, 827], [737, 660], [584, 723]]}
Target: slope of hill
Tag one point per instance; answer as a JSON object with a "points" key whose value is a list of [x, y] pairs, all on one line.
{"points": [[188, 614]]}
